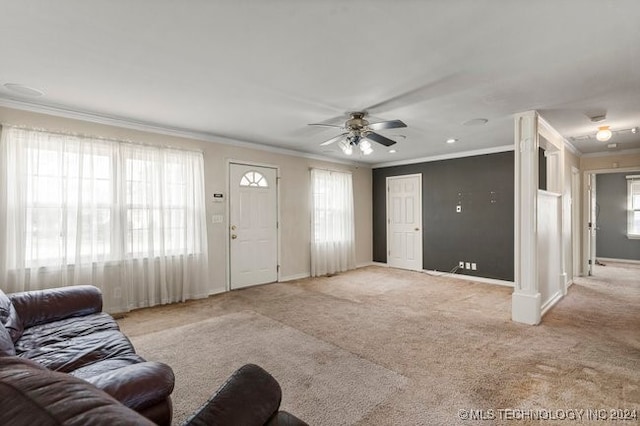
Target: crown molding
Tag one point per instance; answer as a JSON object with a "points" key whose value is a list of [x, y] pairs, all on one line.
{"points": [[612, 153], [148, 127], [473, 153]]}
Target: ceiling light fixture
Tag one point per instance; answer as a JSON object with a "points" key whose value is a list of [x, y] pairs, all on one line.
{"points": [[392, 151], [604, 133], [452, 140], [355, 139], [346, 147], [475, 122], [23, 90]]}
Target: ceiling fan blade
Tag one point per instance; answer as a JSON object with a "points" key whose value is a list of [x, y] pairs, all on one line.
{"points": [[332, 140], [325, 125], [446, 85], [391, 124], [376, 137]]}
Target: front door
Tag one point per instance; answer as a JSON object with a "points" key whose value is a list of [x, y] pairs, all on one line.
{"points": [[253, 225], [404, 222]]}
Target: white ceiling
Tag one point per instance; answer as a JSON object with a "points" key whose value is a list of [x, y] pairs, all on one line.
{"points": [[260, 71]]}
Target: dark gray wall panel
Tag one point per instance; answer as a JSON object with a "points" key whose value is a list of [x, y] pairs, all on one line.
{"points": [[482, 233], [611, 238], [542, 170]]}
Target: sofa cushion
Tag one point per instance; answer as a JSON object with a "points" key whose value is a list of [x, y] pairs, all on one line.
{"points": [[42, 306], [9, 317], [100, 367], [6, 344], [60, 331], [32, 395], [80, 351]]}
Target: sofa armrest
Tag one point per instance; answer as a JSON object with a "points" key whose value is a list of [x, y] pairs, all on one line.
{"points": [[137, 386], [251, 396], [283, 418], [42, 306]]}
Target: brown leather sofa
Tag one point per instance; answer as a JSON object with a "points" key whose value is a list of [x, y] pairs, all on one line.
{"points": [[65, 330], [34, 395], [64, 362]]}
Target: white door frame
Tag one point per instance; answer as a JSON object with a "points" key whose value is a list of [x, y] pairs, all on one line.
{"points": [[575, 223], [586, 213], [228, 213], [421, 221]]}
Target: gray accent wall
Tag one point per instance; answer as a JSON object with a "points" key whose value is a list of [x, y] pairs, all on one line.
{"points": [[482, 233], [611, 219]]}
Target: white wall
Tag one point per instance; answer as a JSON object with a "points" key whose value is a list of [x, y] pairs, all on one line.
{"points": [[294, 190]]}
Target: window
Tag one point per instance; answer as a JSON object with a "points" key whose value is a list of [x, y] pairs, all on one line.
{"points": [[125, 217], [633, 206], [68, 202], [254, 179], [76, 189], [333, 234]]}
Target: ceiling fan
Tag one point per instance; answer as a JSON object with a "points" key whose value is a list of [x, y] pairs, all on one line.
{"points": [[359, 132]]}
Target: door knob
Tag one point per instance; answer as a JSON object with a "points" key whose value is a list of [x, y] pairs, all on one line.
{"points": [[417, 229], [234, 236], [233, 227]]}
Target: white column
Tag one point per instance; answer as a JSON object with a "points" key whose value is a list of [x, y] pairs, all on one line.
{"points": [[525, 301]]}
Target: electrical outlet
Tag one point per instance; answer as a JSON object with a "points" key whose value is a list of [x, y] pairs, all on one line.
{"points": [[461, 265], [474, 267], [467, 265]]}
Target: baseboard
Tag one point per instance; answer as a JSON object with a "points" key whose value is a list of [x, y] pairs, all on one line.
{"points": [[608, 259], [294, 277], [470, 278], [550, 303]]}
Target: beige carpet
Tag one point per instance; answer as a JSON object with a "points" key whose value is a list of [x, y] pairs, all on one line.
{"points": [[452, 339], [320, 382]]}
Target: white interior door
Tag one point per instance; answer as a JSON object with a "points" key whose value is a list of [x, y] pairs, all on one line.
{"points": [[593, 226], [253, 225], [404, 222]]}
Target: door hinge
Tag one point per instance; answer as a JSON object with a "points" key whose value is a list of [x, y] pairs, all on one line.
{"points": [[589, 261], [278, 268]]}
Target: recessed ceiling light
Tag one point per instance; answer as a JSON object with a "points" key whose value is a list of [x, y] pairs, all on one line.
{"points": [[452, 140], [23, 90], [475, 122], [392, 151]]}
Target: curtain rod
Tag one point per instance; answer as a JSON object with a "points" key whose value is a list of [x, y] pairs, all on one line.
{"points": [[331, 170], [101, 138]]}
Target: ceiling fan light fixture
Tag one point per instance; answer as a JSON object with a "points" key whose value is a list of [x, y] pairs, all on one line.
{"points": [[346, 147], [604, 134], [365, 147], [452, 140]]}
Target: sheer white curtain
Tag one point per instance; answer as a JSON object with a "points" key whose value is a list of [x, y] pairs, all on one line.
{"points": [[127, 218], [333, 235]]}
